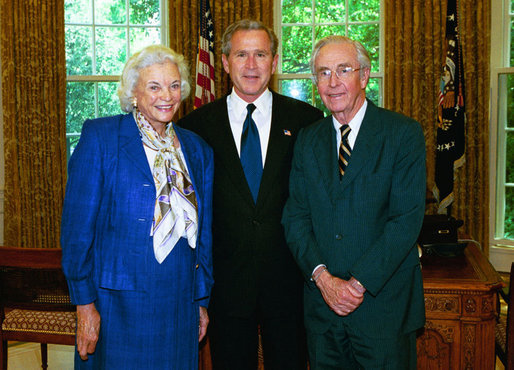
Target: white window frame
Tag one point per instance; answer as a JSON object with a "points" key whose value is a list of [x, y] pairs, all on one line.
{"points": [[279, 76], [114, 78], [501, 251]]}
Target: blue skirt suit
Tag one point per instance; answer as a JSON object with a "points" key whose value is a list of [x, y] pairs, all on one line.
{"points": [[149, 311]]}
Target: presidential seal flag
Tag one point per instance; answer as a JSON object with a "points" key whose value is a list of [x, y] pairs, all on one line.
{"points": [[205, 59], [451, 115]]}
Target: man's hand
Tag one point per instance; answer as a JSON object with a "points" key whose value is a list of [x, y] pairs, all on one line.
{"points": [[342, 296], [204, 321], [88, 329]]}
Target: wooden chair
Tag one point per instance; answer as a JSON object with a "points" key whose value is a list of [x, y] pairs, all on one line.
{"points": [[34, 300], [504, 331]]}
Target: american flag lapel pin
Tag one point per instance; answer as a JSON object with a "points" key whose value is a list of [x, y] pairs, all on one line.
{"points": [[287, 132]]}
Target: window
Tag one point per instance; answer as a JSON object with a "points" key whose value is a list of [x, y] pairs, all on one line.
{"points": [[303, 22], [502, 124], [100, 35]]}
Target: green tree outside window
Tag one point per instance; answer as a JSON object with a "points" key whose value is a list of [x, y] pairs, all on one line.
{"points": [[303, 22], [99, 37]]}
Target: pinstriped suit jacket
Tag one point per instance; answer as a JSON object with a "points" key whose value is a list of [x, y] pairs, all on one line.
{"points": [[364, 225]]}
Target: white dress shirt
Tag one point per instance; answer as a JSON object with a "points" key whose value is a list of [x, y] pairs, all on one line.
{"points": [[355, 125], [261, 115]]}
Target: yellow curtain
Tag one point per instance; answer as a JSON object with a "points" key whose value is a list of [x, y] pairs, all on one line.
{"points": [[34, 98], [414, 35], [184, 33]]}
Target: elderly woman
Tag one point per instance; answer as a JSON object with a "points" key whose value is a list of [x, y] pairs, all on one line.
{"points": [[136, 226]]}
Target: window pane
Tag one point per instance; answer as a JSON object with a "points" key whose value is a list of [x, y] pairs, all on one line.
{"points": [[510, 100], [145, 12], [506, 101], [141, 37], [322, 31], [108, 101], [509, 214], [369, 36], [300, 89], [111, 50], [364, 10], [505, 172], [296, 49], [373, 91], [296, 11], [330, 11], [509, 160], [79, 51], [101, 48], [80, 104], [110, 12], [77, 11], [71, 142], [512, 42]]}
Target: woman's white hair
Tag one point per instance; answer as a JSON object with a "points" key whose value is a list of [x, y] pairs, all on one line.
{"points": [[146, 57]]}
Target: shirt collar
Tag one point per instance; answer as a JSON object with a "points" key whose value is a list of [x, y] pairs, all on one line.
{"points": [[262, 103], [355, 122]]}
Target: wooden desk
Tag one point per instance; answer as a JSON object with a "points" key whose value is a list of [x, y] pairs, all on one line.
{"points": [[461, 308]]}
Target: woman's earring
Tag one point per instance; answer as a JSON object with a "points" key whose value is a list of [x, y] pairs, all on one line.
{"points": [[134, 102]]}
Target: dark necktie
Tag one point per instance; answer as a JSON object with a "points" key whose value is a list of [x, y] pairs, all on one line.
{"points": [[344, 149], [251, 158]]}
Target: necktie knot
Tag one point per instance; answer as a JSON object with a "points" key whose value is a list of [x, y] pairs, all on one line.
{"points": [[250, 108], [345, 131]]}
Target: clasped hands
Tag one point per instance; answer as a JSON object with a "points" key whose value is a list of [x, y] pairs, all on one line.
{"points": [[342, 296]]}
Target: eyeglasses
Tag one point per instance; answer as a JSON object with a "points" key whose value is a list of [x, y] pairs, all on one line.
{"points": [[342, 73]]}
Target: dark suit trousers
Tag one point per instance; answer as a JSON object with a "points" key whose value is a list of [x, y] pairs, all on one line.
{"points": [[234, 342], [341, 348]]}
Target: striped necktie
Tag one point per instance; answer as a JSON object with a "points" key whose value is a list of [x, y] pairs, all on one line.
{"points": [[344, 149]]}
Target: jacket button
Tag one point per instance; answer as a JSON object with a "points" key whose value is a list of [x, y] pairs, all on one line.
{"points": [[339, 237], [197, 265]]}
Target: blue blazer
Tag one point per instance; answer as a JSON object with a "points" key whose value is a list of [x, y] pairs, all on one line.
{"points": [[109, 206], [364, 225]]}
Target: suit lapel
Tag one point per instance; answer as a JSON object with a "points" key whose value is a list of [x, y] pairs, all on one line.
{"points": [[221, 137], [326, 155], [363, 153], [131, 146], [365, 146], [278, 146]]}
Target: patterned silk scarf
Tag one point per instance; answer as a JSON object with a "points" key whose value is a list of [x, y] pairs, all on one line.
{"points": [[175, 212]]}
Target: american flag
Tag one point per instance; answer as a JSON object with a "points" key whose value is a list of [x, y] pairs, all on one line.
{"points": [[451, 117], [205, 59]]}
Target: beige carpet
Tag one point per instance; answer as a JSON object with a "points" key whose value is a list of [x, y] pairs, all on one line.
{"points": [[27, 356]]}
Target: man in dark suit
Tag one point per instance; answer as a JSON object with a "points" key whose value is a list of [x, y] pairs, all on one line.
{"points": [[257, 283], [356, 204]]}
